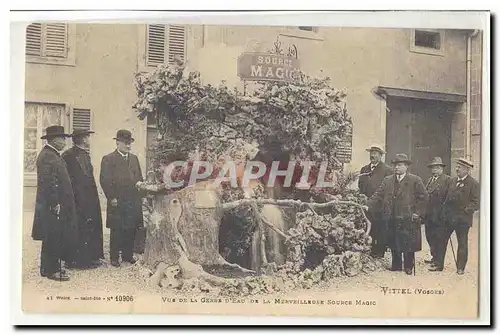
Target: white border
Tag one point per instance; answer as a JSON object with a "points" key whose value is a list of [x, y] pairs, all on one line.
{"points": [[461, 20]]}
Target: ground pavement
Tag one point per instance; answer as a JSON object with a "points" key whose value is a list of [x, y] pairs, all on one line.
{"points": [[458, 290]]}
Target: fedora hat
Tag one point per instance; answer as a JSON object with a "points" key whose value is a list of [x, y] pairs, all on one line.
{"points": [[81, 132], [54, 131], [124, 135], [376, 147], [436, 161], [465, 162], [401, 158]]}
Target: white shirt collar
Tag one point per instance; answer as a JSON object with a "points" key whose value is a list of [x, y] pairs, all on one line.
{"points": [[374, 165], [400, 177], [84, 149], [461, 179], [53, 148], [122, 154]]}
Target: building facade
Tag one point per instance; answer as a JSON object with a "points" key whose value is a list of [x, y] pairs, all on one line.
{"points": [[414, 91]]}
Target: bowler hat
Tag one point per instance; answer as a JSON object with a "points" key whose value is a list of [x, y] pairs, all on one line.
{"points": [[436, 161], [465, 162], [81, 132], [54, 131], [376, 147], [124, 135], [401, 158]]}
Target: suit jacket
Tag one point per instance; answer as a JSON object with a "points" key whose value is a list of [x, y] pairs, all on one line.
{"points": [[398, 208], [437, 194], [118, 179], [368, 184], [461, 202], [88, 207], [54, 188]]}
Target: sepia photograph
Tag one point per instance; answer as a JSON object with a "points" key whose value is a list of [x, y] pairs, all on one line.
{"points": [[245, 167]]}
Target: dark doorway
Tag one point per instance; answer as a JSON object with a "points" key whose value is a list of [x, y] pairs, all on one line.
{"points": [[421, 129]]}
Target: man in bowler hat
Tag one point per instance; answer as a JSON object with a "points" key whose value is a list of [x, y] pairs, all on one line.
{"points": [[370, 178], [436, 187], [55, 216], [462, 200], [88, 208], [120, 172], [403, 199]]}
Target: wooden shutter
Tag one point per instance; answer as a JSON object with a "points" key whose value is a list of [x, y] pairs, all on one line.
{"points": [[56, 36], [47, 39], [165, 43], [81, 119], [155, 53], [176, 42], [34, 39]]}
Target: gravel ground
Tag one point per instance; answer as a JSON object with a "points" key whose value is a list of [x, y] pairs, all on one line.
{"points": [[128, 278]]}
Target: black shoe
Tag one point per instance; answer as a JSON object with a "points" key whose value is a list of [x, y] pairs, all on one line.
{"points": [[395, 269], [435, 268], [95, 263], [460, 272], [59, 276], [116, 264], [409, 271], [429, 261]]}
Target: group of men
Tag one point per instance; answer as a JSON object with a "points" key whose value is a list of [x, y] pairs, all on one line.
{"points": [[399, 203], [68, 213]]}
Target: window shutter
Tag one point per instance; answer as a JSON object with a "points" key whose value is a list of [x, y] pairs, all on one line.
{"points": [[155, 53], [176, 42], [56, 36], [34, 39], [82, 119]]}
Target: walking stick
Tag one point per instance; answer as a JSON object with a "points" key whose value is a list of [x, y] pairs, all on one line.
{"points": [[453, 251]]}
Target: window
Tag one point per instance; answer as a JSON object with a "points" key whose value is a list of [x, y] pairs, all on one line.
{"points": [[47, 40], [37, 117], [52, 43], [165, 43], [427, 41], [308, 28]]}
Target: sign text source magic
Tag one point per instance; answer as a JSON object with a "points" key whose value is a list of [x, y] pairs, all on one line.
{"points": [[265, 66]]}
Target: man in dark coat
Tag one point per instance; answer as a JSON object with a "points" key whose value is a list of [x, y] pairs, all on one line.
{"points": [[462, 200], [370, 178], [55, 217], [120, 172], [403, 199], [436, 187], [88, 208]]}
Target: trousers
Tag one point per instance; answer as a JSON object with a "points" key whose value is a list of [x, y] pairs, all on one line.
{"points": [[397, 260], [462, 233], [432, 232], [121, 239], [379, 234]]}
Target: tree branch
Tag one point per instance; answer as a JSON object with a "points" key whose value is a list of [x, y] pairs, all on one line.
{"points": [[296, 203]]}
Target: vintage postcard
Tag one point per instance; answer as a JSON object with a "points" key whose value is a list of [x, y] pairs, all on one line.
{"points": [[327, 165]]}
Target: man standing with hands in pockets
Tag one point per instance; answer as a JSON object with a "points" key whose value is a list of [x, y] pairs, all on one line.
{"points": [[120, 172]]}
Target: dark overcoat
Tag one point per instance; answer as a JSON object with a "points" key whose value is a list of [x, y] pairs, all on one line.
{"points": [[53, 188], [397, 210], [87, 203], [370, 180], [119, 177], [461, 202], [437, 191]]}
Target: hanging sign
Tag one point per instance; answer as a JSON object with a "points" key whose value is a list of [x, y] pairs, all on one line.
{"points": [[275, 65], [264, 66]]}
